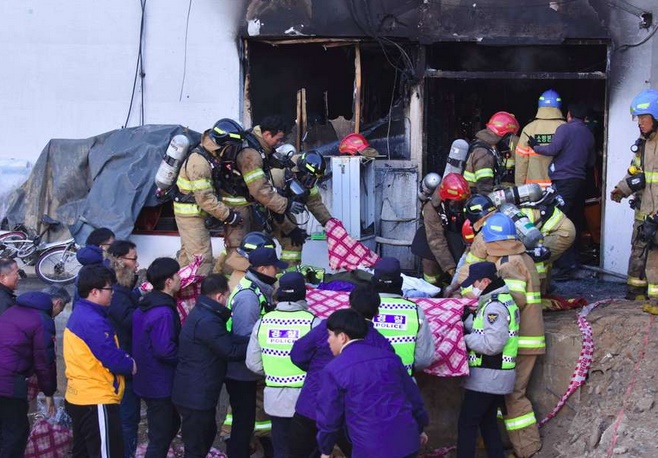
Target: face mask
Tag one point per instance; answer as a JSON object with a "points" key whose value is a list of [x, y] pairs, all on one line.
{"points": [[476, 292]]}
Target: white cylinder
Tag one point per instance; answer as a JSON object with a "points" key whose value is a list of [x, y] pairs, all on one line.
{"points": [[457, 157], [167, 172]]}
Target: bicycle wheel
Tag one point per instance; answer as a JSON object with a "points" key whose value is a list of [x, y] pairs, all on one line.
{"points": [[58, 265], [12, 248]]}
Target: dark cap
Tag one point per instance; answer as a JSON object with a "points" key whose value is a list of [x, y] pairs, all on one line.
{"points": [[478, 271], [292, 287], [37, 300], [265, 256], [387, 270]]}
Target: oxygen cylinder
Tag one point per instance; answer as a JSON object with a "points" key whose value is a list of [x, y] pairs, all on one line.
{"points": [[517, 195], [167, 173], [526, 231], [457, 157], [427, 185]]}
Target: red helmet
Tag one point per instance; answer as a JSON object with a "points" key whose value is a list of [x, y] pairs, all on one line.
{"points": [[468, 234], [353, 144], [454, 187], [503, 123]]}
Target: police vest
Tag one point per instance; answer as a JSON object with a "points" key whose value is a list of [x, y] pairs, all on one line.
{"points": [[398, 322], [245, 283], [507, 359], [277, 332]]}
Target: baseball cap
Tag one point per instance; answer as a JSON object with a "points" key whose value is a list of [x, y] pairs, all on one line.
{"points": [[265, 256], [478, 271]]}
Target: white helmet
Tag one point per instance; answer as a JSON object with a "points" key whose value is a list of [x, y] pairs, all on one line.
{"points": [[286, 150]]}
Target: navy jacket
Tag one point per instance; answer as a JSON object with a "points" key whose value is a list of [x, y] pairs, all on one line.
{"points": [[27, 346], [312, 354], [368, 391], [87, 256], [124, 303], [572, 149], [205, 349], [156, 326], [7, 298]]}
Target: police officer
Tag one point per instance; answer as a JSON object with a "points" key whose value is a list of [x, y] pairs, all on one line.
{"points": [[531, 167], [641, 182], [238, 261], [485, 167], [268, 354], [401, 321], [197, 198]]}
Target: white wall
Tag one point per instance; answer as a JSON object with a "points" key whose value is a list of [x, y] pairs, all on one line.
{"points": [[68, 67], [631, 71]]}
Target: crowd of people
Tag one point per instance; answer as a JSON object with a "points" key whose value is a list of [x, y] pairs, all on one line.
{"points": [[347, 381]]}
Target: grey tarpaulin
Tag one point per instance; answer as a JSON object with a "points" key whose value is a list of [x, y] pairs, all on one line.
{"points": [[102, 181]]}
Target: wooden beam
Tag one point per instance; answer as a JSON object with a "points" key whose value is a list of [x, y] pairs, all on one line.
{"points": [[357, 88]]}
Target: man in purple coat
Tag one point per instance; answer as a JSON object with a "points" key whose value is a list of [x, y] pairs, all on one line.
{"points": [[368, 392], [312, 353], [156, 326], [27, 346]]}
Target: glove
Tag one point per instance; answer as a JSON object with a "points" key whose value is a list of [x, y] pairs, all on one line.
{"points": [[233, 219], [532, 141], [297, 236], [617, 195], [467, 313], [294, 207]]}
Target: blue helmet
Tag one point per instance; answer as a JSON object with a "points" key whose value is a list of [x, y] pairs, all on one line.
{"points": [[498, 227], [646, 102], [550, 98]]}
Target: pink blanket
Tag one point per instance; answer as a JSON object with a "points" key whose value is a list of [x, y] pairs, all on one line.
{"points": [[444, 316]]}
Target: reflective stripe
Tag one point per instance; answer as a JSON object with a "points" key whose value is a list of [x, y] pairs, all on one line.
{"points": [[652, 290], [635, 281], [465, 291], [533, 297], [523, 150], [264, 425], [469, 176], [651, 177], [235, 201], [532, 342], [314, 191], [289, 255], [252, 176], [553, 221], [187, 209], [430, 278], [472, 259], [510, 163], [541, 267], [516, 285], [542, 183], [512, 424], [484, 173]]}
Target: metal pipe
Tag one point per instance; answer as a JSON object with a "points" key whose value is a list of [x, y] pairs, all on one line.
{"points": [[603, 271]]}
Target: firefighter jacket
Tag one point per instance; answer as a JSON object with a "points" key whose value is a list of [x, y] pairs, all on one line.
{"points": [[646, 159], [506, 147], [435, 233], [196, 178], [314, 200], [250, 164], [484, 165], [520, 275], [530, 166]]}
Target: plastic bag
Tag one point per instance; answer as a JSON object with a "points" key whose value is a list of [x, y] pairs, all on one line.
{"points": [[50, 437]]}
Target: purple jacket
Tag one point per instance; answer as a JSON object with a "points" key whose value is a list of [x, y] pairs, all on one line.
{"points": [[27, 346], [312, 354], [156, 326], [368, 390], [572, 149]]}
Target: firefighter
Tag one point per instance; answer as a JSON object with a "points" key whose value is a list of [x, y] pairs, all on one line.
{"points": [[247, 187], [485, 167], [238, 261], [197, 195], [518, 270], [641, 183], [307, 169], [438, 241], [530, 167]]}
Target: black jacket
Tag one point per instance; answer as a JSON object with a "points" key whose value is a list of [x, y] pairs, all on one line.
{"points": [[120, 313], [7, 298], [205, 347]]}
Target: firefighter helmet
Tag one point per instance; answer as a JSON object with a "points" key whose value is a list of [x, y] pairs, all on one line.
{"points": [[468, 234], [502, 123], [310, 167], [550, 98], [353, 144], [646, 102], [454, 187], [226, 130], [477, 207], [498, 227], [253, 240]]}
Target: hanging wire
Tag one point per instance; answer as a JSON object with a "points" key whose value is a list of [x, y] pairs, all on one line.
{"points": [[187, 27], [139, 69]]}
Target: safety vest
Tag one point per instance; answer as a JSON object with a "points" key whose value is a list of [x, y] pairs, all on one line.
{"points": [[398, 322], [246, 283], [277, 332], [507, 359]]}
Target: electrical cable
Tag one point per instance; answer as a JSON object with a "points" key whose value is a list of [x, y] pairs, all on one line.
{"points": [[138, 68], [390, 117], [626, 47], [187, 26]]}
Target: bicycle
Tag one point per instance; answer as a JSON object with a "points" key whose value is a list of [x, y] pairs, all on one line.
{"points": [[53, 262]]}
